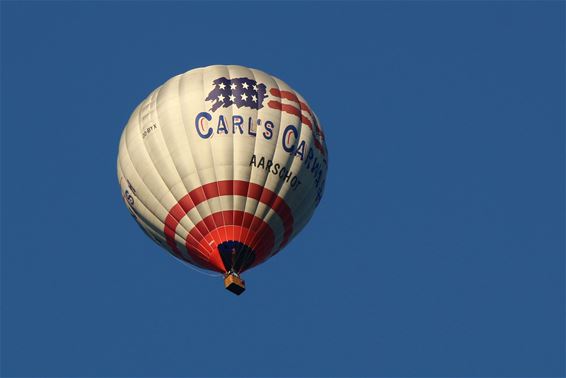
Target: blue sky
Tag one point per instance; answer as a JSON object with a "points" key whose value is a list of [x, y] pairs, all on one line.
{"points": [[438, 249]]}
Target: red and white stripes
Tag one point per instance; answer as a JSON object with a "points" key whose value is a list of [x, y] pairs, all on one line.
{"points": [[301, 110], [214, 229]]}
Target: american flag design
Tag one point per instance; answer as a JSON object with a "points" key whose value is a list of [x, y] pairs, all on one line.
{"points": [[242, 92], [245, 92], [289, 102]]}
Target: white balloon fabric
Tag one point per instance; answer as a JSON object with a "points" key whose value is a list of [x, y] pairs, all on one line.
{"points": [[222, 166]]}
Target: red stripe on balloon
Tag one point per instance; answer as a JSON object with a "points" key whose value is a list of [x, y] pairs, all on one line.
{"points": [[293, 97], [292, 110], [290, 96], [259, 236], [225, 188]]}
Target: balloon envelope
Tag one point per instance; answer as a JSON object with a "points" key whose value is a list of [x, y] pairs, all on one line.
{"points": [[222, 166]]}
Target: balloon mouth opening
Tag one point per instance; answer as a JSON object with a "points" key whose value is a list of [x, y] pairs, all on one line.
{"points": [[236, 256]]}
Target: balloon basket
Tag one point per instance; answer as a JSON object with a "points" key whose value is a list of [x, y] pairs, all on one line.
{"points": [[234, 283]]}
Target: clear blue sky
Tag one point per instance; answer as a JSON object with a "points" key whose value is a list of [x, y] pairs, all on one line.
{"points": [[438, 249]]}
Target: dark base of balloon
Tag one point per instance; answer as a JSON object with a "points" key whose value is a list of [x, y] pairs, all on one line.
{"points": [[236, 256]]}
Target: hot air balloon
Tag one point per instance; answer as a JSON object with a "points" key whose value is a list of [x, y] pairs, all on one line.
{"points": [[222, 166]]}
